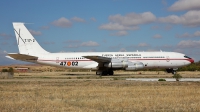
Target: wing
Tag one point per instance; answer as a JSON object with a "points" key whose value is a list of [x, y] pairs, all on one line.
{"points": [[22, 57], [119, 63], [99, 59]]}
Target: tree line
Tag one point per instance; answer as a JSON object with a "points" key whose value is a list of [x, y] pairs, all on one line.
{"points": [[192, 67]]}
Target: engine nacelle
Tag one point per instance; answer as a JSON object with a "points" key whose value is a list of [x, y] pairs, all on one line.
{"points": [[124, 64], [135, 66], [116, 65]]}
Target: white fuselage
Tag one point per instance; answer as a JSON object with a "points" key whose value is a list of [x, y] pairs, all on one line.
{"points": [[149, 59]]}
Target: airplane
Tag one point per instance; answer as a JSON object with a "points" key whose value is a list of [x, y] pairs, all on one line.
{"points": [[104, 63]]}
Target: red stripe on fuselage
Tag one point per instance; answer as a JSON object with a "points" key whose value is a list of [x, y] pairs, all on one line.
{"points": [[190, 60]]}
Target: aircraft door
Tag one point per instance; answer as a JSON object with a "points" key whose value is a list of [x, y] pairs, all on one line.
{"points": [[167, 59], [57, 59]]}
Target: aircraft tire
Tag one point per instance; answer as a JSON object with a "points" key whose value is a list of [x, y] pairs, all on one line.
{"points": [[104, 73], [111, 72], [173, 72]]}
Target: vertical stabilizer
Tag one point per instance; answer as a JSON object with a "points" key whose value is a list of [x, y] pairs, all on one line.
{"points": [[25, 41]]}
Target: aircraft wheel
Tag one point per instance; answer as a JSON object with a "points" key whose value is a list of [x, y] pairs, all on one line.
{"points": [[104, 73], [111, 72], [173, 72]]}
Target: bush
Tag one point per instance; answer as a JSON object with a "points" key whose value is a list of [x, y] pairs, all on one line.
{"points": [[161, 80], [11, 70], [4, 70], [177, 76], [79, 77], [115, 78]]}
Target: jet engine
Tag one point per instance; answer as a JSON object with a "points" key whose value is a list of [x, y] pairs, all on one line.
{"points": [[117, 63], [124, 64], [135, 66]]}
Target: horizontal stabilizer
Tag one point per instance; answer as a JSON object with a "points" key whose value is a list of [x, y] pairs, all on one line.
{"points": [[10, 57], [22, 57]]}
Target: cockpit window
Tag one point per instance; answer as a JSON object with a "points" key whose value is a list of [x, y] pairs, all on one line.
{"points": [[187, 57]]}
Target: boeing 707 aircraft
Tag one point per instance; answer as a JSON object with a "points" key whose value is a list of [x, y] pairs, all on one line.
{"points": [[104, 63]]}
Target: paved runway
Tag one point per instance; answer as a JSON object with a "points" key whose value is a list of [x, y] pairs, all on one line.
{"points": [[167, 79]]}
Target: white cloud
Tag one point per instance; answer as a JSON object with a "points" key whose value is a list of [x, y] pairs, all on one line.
{"points": [[120, 33], [143, 45], [189, 44], [4, 43], [35, 33], [62, 22], [181, 5], [191, 19], [73, 41], [89, 44], [45, 27], [162, 27], [155, 27], [115, 46], [187, 35], [170, 19], [77, 44], [133, 19], [128, 22], [6, 36], [5, 52], [48, 43], [164, 2], [197, 34], [91, 50], [122, 50], [93, 19], [168, 27], [73, 46], [117, 26], [77, 19], [157, 36]]}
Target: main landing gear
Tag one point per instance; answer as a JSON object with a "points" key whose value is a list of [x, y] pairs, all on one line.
{"points": [[170, 70], [105, 72]]}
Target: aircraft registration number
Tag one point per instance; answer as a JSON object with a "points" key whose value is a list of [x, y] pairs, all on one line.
{"points": [[69, 63]]}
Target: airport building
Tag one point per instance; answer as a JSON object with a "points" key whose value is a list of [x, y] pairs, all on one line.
{"points": [[22, 70]]}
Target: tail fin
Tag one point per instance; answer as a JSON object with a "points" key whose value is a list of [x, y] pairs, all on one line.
{"points": [[26, 42]]}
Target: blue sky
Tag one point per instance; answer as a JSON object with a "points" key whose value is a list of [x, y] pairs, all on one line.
{"points": [[103, 26]]}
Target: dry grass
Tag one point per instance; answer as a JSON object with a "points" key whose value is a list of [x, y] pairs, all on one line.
{"points": [[118, 74], [84, 96]]}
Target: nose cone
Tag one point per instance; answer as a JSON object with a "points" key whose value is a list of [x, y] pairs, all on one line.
{"points": [[191, 60]]}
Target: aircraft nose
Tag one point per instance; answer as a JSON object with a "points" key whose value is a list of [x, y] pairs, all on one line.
{"points": [[191, 60]]}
